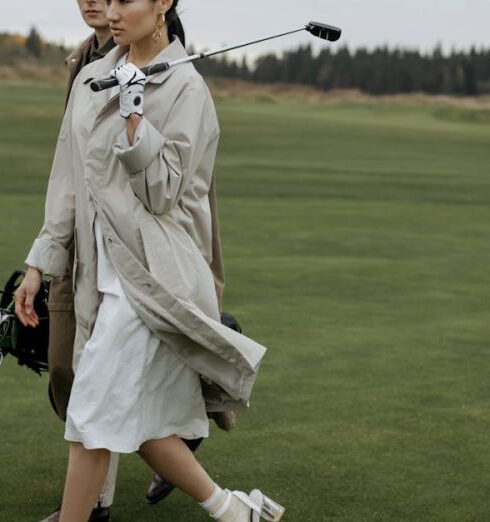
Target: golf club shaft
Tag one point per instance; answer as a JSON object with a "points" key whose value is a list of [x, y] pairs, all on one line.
{"points": [[107, 83], [324, 31], [224, 49]]}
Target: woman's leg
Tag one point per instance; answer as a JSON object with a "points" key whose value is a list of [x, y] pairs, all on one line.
{"points": [[87, 470], [173, 460]]}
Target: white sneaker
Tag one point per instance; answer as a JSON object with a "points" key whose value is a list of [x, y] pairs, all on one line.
{"points": [[249, 508], [268, 509]]}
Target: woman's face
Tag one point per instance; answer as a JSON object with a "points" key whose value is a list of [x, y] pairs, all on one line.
{"points": [[132, 20]]}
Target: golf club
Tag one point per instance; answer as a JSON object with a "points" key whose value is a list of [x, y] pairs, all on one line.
{"points": [[323, 31]]}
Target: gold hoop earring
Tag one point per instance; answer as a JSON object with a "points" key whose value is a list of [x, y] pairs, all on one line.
{"points": [[158, 27]]}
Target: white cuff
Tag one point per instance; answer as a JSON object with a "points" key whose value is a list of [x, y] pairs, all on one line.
{"points": [[48, 257]]}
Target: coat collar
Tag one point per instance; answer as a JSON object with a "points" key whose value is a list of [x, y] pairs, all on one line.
{"points": [[77, 53], [74, 59], [174, 51]]}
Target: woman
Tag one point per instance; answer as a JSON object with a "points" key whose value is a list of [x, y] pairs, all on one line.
{"points": [[130, 184]]}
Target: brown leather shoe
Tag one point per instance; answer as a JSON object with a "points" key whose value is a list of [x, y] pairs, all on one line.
{"points": [[158, 490], [225, 420]]}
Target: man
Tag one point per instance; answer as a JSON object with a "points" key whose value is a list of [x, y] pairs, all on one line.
{"points": [[60, 305]]}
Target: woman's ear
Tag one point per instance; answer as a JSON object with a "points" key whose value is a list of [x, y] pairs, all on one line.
{"points": [[165, 5]]}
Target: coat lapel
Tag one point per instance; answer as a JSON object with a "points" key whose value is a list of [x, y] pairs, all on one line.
{"points": [[74, 60], [98, 70], [174, 51]]}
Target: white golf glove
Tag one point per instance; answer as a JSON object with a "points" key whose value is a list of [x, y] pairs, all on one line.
{"points": [[132, 85]]}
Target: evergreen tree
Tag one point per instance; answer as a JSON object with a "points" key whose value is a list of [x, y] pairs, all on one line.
{"points": [[34, 43]]}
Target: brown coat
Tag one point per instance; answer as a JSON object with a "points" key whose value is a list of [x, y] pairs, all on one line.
{"points": [[62, 318]]}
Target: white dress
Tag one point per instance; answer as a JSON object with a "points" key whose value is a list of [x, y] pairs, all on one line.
{"points": [[129, 386]]}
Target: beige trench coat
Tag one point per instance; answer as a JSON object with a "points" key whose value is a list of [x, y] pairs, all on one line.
{"points": [[152, 201]]}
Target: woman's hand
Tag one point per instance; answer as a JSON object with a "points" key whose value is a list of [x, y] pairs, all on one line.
{"points": [[24, 297], [131, 125], [132, 86]]}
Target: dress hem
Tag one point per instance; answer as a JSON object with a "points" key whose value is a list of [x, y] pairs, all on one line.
{"points": [[94, 444]]}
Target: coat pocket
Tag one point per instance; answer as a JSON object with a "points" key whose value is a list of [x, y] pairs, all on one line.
{"points": [[170, 256]]}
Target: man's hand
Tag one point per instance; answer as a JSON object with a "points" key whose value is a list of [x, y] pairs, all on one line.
{"points": [[24, 297], [132, 86]]}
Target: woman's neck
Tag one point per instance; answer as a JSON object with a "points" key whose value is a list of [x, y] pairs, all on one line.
{"points": [[142, 52]]}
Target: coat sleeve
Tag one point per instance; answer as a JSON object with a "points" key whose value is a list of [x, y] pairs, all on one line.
{"points": [[161, 166], [49, 252]]}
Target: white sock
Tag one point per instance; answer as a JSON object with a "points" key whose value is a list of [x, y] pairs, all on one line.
{"points": [[225, 507], [216, 502]]}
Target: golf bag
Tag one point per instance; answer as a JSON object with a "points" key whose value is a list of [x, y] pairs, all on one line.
{"points": [[28, 345]]}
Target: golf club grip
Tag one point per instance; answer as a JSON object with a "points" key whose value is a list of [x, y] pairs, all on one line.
{"points": [[101, 85], [107, 83]]}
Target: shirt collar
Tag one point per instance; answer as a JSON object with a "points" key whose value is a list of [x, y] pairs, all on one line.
{"points": [[96, 53]]}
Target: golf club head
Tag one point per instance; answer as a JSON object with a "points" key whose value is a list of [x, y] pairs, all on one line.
{"points": [[324, 31]]}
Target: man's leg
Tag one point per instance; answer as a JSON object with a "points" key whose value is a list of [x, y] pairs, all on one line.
{"points": [[106, 498]]}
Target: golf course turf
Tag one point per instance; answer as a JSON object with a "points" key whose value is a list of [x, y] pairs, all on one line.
{"points": [[356, 241]]}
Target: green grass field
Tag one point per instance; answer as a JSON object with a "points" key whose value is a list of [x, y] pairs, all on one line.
{"points": [[357, 248]]}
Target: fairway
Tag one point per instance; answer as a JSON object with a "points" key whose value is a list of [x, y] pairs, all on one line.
{"points": [[356, 242]]}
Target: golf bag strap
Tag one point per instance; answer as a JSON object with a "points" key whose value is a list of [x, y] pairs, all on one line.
{"points": [[10, 288]]}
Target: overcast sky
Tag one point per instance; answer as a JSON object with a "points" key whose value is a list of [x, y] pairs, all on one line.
{"points": [[213, 23]]}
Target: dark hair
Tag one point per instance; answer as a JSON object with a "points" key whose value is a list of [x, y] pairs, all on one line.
{"points": [[174, 24]]}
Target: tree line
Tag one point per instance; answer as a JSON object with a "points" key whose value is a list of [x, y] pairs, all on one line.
{"points": [[15, 48], [378, 71]]}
